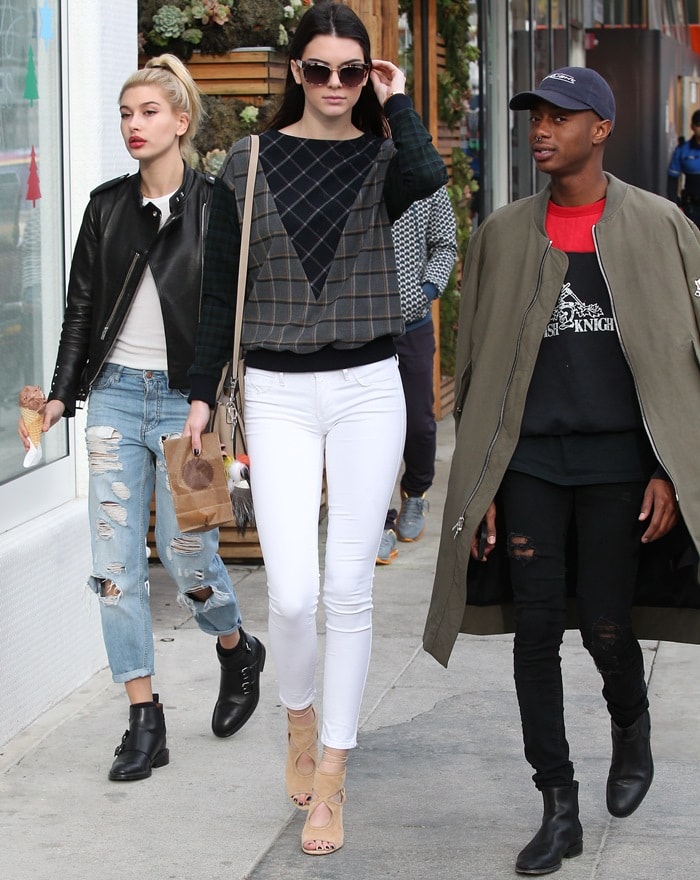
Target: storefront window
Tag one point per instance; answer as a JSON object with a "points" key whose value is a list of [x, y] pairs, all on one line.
{"points": [[544, 35], [31, 216], [543, 32], [526, 34], [560, 35]]}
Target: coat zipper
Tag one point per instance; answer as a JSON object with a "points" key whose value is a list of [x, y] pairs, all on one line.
{"points": [[134, 260], [459, 525], [203, 221], [627, 359], [105, 329], [122, 293]]}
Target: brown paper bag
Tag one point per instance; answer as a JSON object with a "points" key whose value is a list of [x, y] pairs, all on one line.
{"points": [[198, 484]]}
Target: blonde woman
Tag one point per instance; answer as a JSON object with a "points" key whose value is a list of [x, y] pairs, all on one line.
{"points": [[126, 344]]}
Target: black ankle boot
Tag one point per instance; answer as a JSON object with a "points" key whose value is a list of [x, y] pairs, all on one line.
{"points": [[143, 744], [239, 689], [631, 767], [560, 835]]}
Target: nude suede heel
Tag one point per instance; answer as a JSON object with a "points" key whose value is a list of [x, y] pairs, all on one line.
{"points": [[326, 787], [301, 740]]}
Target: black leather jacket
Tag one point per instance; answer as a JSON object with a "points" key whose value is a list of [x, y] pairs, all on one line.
{"points": [[117, 239]]}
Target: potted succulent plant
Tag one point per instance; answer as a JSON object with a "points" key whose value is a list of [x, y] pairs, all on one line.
{"points": [[215, 27]]}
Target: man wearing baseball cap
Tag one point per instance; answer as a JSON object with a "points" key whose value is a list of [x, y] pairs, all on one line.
{"points": [[573, 496], [571, 88]]}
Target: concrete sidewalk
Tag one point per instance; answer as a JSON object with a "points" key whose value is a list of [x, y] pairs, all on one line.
{"points": [[438, 787]]}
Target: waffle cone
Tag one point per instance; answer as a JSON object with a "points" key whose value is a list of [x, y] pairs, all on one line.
{"points": [[33, 421]]}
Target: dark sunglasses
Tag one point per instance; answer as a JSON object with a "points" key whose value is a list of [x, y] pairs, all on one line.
{"points": [[317, 74]]}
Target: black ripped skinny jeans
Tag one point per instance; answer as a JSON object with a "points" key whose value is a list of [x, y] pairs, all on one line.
{"points": [[538, 515]]}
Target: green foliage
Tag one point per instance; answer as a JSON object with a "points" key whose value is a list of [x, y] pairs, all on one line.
{"points": [[178, 26], [212, 161], [454, 84], [454, 91], [461, 190], [228, 120], [249, 117], [215, 27], [449, 322], [169, 23], [258, 22]]}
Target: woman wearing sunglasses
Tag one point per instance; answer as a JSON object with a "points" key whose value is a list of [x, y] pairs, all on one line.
{"points": [[322, 384]]}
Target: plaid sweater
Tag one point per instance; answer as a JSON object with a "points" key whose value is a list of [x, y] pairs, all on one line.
{"points": [[356, 302]]}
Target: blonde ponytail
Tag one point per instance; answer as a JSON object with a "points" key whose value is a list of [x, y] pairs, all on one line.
{"points": [[173, 77]]}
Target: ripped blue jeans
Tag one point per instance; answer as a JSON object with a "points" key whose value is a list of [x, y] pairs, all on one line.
{"points": [[129, 413]]}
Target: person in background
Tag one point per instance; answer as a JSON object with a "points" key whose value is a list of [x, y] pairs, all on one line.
{"points": [[425, 242], [685, 167], [322, 386], [578, 411], [127, 341]]}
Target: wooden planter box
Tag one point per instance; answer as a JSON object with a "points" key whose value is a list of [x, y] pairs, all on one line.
{"points": [[234, 546], [446, 399], [250, 74]]}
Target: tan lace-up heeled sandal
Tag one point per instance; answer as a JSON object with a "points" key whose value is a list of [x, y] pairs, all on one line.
{"points": [[302, 739], [329, 788]]}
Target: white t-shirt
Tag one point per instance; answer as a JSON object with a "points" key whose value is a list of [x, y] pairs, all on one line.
{"points": [[141, 342]]}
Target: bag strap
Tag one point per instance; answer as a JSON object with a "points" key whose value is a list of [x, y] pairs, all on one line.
{"points": [[245, 244]]}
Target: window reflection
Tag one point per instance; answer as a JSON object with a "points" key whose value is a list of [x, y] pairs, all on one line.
{"points": [[31, 229]]}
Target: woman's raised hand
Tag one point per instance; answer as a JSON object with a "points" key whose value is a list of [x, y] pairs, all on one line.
{"points": [[387, 79]]}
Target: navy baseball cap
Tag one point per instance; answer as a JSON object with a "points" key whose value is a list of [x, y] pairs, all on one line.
{"points": [[573, 88]]}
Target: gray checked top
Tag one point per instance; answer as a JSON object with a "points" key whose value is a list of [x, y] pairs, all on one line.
{"points": [[321, 267]]}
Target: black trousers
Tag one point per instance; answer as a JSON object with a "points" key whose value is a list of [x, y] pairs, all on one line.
{"points": [[416, 351], [538, 516], [692, 210]]}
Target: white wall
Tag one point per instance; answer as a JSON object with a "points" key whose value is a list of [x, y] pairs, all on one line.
{"points": [[50, 641], [50, 636], [100, 53]]}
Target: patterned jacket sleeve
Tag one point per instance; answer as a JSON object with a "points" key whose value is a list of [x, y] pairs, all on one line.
{"points": [[441, 240]]}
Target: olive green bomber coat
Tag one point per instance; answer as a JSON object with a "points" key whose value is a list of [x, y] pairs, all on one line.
{"points": [[650, 256]]}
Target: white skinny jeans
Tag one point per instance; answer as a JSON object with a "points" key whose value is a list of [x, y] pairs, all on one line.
{"points": [[354, 422]]}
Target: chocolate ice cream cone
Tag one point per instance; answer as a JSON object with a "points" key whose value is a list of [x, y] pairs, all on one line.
{"points": [[33, 422]]}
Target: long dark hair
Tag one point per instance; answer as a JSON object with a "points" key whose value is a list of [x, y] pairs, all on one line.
{"points": [[330, 19]]}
